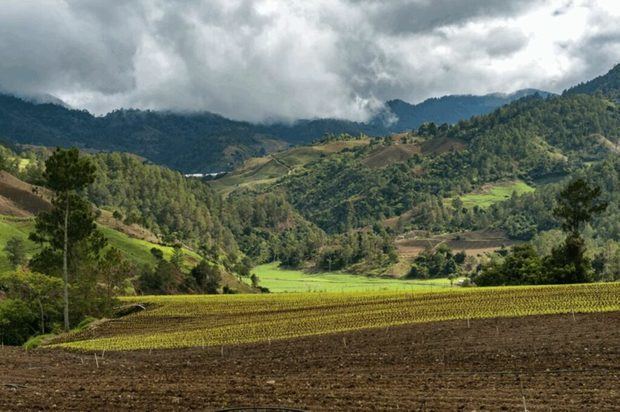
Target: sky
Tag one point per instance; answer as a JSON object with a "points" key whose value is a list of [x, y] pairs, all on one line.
{"points": [[279, 60]]}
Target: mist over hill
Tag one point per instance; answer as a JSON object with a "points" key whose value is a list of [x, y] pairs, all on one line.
{"points": [[207, 142]]}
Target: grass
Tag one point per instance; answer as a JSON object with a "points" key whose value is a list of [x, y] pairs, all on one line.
{"points": [[214, 320], [139, 251], [14, 227], [494, 194], [286, 280], [136, 250]]}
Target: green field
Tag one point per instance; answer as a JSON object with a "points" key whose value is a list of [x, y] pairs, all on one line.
{"points": [[139, 251], [213, 320], [136, 250], [14, 227], [285, 280], [494, 194]]}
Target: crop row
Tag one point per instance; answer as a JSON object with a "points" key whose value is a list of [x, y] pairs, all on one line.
{"points": [[187, 321]]}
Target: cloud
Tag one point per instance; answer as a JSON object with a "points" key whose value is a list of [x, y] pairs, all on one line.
{"points": [[282, 60]]}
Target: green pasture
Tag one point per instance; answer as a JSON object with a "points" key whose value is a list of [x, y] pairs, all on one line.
{"points": [[287, 280]]}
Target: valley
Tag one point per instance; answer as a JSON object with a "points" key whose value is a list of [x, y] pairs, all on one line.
{"points": [[458, 254]]}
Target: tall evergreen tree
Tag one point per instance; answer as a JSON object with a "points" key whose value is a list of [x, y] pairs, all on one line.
{"points": [[71, 219], [577, 205]]}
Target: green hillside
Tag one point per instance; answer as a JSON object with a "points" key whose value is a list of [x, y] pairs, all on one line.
{"points": [[136, 250]]}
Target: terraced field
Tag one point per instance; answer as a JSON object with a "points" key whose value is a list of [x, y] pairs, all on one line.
{"points": [[200, 321]]}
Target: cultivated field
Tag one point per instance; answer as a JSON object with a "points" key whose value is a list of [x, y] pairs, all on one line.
{"points": [[201, 321], [534, 363]]}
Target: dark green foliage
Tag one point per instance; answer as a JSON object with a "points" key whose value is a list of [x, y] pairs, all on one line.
{"points": [[438, 263], [255, 280], [15, 249], [608, 85], [164, 279], [49, 231], [194, 143], [17, 322], [69, 229], [162, 200], [207, 276], [530, 139], [202, 142], [577, 204], [521, 266], [157, 253], [370, 249], [114, 272], [67, 171], [177, 256], [41, 294]]}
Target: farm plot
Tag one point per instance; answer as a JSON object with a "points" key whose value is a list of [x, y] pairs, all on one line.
{"points": [[551, 362], [195, 321]]}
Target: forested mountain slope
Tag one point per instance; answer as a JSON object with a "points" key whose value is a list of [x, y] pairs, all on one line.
{"points": [[534, 139], [450, 109], [205, 142], [607, 84]]}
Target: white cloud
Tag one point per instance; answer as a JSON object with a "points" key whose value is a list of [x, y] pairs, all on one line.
{"points": [[260, 60]]}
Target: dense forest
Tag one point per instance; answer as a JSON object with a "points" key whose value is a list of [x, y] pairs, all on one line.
{"points": [[338, 204], [205, 142]]}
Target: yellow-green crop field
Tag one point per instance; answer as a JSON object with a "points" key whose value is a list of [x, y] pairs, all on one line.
{"points": [[195, 321]]}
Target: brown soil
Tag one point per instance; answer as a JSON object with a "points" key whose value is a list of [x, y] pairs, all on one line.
{"points": [[21, 199], [473, 243], [135, 231], [549, 362], [18, 198], [385, 156], [442, 145]]}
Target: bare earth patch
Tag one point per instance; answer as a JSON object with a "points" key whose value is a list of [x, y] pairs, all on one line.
{"points": [[549, 362]]}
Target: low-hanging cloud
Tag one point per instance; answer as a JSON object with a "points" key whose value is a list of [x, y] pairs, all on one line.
{"points": [[283, 60]]}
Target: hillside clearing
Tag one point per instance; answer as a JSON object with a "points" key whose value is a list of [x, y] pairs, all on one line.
{"points": [[137, 251], [493, 193]]}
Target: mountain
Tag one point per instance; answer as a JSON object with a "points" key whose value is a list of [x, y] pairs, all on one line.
{"points": [[345, 181], [206, 142], [448, 109], [607, 84]]}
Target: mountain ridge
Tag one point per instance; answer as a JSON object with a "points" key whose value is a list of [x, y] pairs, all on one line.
{"points": [[197, 142]]}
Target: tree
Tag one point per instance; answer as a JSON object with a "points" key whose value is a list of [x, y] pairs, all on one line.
{"points": [[17, 321], [16, 251], [113, 270], [158, 254], [177, 256], [577, 204], [42, 294], [71, 219], [165, 278], [521, 266], [207, 276]]}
